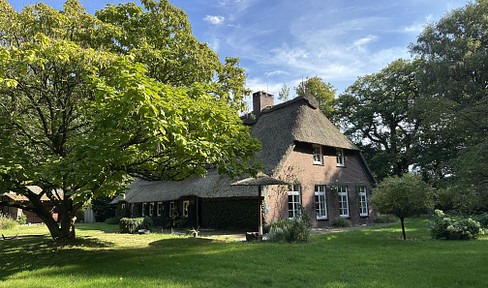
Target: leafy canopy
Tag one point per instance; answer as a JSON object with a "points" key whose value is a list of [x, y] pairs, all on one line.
{"points": [[88, 102], [323, 92]]}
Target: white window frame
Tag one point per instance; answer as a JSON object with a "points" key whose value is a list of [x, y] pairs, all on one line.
{"points": [[159, 207], [343, 201], [340, 157], [320, 202], [122, 206], [296, 199], [318, 156], [363, 201], [186, 204], [143, 212], [171, 208], [151, 209]]}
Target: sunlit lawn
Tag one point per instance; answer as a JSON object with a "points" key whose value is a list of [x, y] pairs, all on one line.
{"points": [[363, 258]]}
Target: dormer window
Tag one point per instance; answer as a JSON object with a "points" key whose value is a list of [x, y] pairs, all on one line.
{"points": [[340, 157], [317, 155]]}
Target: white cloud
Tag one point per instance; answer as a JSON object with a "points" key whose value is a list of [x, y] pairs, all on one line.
{"points": [[216, 20]]}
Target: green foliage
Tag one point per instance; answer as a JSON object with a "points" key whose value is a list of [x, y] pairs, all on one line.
{"points": [[90, 102], [22, 219], [454, 76], [112, 221], [284, 93], [403, 197], [341, 222], [291, 230], [381, 111], [483, 219], [323, 92], [7, 223], [132, 225], [454, 228], [385, 218], [102, 208]]}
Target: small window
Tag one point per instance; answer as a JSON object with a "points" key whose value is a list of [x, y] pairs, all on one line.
{"points": [[122, 206], [159, 208], [363, 202], [320, 202], [171, 209], [343, 201], [294, 201], [151, 209], [317, 155], [144, 207], [186, 204], [340, 157]]}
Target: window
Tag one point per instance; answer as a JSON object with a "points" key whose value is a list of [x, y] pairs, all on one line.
{"points": [[151, 209], [159, 208], [293, 201], [320, 203], [171, 208], [340, 157], [343, 201], [186, 204], [317, 155], [144, 207], [363, 202], [122, 206]]}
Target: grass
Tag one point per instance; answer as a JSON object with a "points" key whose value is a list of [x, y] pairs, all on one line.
{"points": [[361, 258]]}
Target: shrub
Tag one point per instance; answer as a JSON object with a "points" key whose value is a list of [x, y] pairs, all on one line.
{"points": [[7, 223], [483, 219], [454, 228], [341, 222], [385, 218], [132, 225], [112, 220], [22, 219], [291, 230]]}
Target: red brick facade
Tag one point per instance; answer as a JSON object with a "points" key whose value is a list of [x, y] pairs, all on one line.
{"points": [[300, 169]]}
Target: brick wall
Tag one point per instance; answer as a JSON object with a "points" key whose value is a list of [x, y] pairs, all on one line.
{"points": [[299, 168]]}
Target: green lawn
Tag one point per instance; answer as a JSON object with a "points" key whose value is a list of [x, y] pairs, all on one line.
{"points": [[362, 258]]}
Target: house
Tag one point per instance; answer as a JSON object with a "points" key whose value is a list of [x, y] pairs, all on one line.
{"points": [[15, 213], [329, 176]]}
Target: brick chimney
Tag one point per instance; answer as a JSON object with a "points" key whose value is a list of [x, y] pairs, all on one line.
{"points": [[261, 100]]}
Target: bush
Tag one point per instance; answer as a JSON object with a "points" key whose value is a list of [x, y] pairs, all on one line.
{"points": [[385, 218], [132, 225], [7, 223], [341, 222], [483, 219], [454, 228], [112, 220], [291, 230], [22, 219]]}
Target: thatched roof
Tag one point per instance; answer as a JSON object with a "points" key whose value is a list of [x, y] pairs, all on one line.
{"points": [[278, 128], [212, 186], [296, 120], [261, 179], [34, 189]]}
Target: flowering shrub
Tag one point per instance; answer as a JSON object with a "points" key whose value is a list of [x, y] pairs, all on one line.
{"points": [[454, 228]]}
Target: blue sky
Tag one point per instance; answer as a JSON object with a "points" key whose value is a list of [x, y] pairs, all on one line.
{"points": [[286, 41]]}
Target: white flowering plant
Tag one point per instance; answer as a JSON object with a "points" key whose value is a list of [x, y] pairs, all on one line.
{"points": [[454, 228]]}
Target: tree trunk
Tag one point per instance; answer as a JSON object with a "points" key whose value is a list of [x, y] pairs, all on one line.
{"points": [[402, 220]]}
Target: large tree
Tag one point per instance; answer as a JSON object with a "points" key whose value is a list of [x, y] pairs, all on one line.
{"points": [[87, 103], [380, 113], [323, 92], [454, 79]]}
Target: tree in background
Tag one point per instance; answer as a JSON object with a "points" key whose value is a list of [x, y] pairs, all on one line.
{"points": [[380, 112], [323, 92], [404, 197], [87, 103], [284, 93], [454, 79]]}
